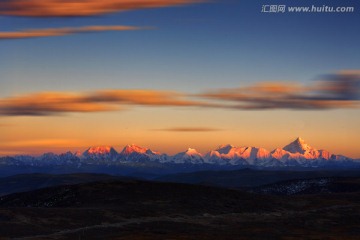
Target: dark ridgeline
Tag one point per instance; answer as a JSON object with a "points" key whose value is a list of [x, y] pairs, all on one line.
{"points": [[135, 209]]}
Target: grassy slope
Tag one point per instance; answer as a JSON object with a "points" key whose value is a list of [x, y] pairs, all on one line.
{"points": [[152, 210]]}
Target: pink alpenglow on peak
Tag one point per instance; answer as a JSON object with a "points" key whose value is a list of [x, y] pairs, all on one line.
{"points": [[298, 146], [234, 154], [129, 149], [297, 153], [139, 154], [280, 154], [299, 150], [189, 156], [224, 149], [78, 153], [192, 151], [100, 152]]}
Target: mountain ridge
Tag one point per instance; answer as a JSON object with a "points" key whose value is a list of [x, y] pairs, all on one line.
{"points": [[296, 154]]}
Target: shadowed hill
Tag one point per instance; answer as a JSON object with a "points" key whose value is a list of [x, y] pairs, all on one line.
{"points": [[325, 185], [245, 178], [135, 209], [28, 182], [136, 196]]}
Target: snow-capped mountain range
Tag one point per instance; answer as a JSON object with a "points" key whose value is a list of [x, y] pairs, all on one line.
{"points": [[296, 154]]}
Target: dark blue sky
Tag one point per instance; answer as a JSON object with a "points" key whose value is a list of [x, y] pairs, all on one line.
{"points": [[188, 49], [212, 44]]}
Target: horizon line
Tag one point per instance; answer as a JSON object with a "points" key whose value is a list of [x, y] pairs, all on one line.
{"points": [[85, 148]]}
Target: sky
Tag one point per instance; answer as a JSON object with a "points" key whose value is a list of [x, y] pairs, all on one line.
{"points": [[169, 75]]}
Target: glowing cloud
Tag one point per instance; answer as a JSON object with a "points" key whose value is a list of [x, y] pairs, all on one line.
{"points": [[47, 104], [144, 97], [52, 32], [340, 90], [50, 103], [76, 8]]}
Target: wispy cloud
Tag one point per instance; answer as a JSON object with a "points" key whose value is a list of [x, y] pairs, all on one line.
{"points": [[336, 91], [340, 90], [75, 8], [189, 129], [145, 98], [50, 103], [79, 8], [53, 32]]}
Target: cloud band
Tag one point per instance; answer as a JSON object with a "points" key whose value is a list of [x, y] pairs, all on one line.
{"points": [[53, 32], [79, 8], [50, 103], [336, 91]]}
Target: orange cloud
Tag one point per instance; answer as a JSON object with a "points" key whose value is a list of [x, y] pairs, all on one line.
{"points": [[256, 92], [75, 8], [49, 103], [341, 90], [275, 88], [144, 97], [336, 91], [52, 32]]}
